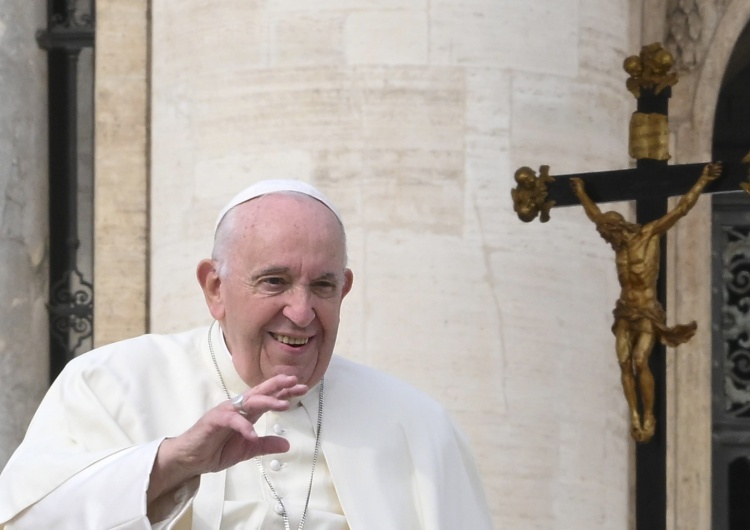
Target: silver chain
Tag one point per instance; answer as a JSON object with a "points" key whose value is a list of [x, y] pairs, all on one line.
{"points": [[284, 515]]}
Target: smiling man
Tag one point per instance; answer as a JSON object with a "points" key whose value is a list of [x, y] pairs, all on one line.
{"points": [[276, 287], [251, 422]]}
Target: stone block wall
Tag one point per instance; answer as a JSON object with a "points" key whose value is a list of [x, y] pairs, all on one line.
{"points": [[121, 167], [412, 117], [24, 345]]}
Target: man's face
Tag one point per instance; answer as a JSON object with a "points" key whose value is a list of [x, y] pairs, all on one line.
{"points": [[279, 300], [615, 229]]}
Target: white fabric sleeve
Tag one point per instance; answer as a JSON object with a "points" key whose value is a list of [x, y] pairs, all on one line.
{"points": [[111, 494]]}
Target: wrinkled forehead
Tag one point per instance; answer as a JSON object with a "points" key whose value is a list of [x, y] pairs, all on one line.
{"points": [[268, 187], [280, 228], [281, 208]]}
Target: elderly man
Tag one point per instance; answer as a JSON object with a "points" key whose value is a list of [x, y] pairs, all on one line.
{"points": [[252, 422]]}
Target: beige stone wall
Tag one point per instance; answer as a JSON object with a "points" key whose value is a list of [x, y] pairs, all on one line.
{"points": [[24, 343], [413, 117], [121, 170]]}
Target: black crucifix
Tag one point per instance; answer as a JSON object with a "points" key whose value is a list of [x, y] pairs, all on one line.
{"points": [[640, 324]]}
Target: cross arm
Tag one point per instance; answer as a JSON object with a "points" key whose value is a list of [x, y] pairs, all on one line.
{"points": [[644, 183]]}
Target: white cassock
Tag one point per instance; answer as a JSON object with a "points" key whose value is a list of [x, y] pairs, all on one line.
{"points": [[390, 458]]}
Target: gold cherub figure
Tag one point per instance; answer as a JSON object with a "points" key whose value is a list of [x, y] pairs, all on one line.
{"points": [[639, 319], [530, 196], [650, 69]]}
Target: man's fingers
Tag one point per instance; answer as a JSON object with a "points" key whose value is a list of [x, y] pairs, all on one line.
{"points": [[272, 444], [254, 445], [295, 391], [271, 394], [280, 384], [253, 406]]}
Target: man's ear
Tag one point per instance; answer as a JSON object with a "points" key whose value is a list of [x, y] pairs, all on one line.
{"points": [[348, 281], [210, 282]]}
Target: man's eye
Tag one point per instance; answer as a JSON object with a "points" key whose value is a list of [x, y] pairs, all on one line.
{"points": [[324, 288], [273, 282]]}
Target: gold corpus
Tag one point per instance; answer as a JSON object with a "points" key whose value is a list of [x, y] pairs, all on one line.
{"points": [[649, 136], [650, 70], [530, 196], [639, 319]]}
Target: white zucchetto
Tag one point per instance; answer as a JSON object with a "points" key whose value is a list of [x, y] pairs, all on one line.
{"points": [[264, 187]]}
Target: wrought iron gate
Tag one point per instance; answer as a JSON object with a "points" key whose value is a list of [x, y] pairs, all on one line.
{"points": [[731, 362]]}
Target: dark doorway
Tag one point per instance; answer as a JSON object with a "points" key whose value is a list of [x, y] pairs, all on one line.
{"points": [[739, 492], [731, 304], [732, 121]]}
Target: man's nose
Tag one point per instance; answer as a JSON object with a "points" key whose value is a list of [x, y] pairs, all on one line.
{"points": [[299, 307]]}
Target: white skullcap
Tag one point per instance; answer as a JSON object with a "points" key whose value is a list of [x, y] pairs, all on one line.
{"points": [[264, 187]]}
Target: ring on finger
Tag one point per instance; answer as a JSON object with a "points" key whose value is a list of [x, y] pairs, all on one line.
{"points": [[237, 402]]}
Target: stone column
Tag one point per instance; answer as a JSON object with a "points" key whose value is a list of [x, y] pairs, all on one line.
{"points": [[23, 219], [121, 170]]}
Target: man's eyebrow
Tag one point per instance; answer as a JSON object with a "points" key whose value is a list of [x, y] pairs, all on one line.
{"points": [[328, 276], [279, 270], [269, 271]]}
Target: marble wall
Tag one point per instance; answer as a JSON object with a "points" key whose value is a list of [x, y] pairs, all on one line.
{"points": [[23, 219], [412, 117], [121, 169]]}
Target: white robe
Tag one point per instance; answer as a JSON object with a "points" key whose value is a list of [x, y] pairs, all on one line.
{"points": [[395, 458]]}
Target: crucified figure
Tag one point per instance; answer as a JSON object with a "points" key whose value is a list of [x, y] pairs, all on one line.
{"points": [[639, 319]]}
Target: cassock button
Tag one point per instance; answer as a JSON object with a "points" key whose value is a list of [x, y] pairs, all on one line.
{"points": [[279, 508], [275, 465], [278, 429]]}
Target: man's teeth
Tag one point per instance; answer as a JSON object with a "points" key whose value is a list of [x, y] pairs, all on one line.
{"points": [[292, 341]]}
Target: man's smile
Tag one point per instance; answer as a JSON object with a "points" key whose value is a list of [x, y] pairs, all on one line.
{"points": [[291, 341]]}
